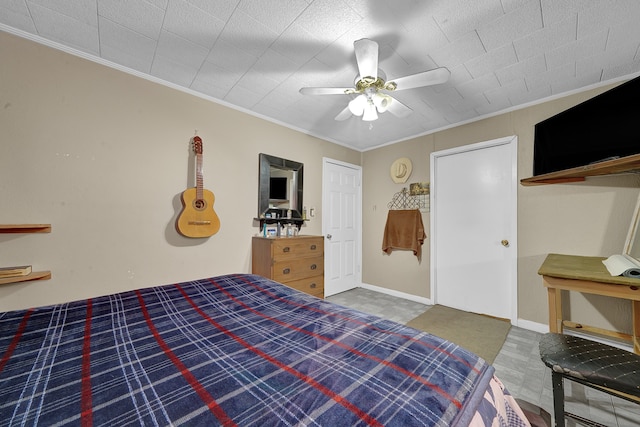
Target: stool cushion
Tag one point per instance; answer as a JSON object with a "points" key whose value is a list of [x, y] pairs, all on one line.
{"points": [[592, 361]]}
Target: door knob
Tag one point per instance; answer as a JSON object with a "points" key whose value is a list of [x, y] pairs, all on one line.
{"points": [[329, 236], [505, 243]]}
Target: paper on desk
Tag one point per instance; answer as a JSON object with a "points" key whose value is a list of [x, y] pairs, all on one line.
{"points": [[622, 265]]}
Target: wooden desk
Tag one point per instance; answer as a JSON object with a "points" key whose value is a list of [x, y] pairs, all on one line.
{"points": [[588, 275]]}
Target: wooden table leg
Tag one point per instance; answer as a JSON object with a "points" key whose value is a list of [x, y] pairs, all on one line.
{"points": [[555, 309], [635, 312]]}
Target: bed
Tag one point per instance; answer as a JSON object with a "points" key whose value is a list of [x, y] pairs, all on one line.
{"points": [[236, 350]]}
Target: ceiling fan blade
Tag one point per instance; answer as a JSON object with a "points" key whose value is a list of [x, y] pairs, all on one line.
{"points": [[326, 90], [367, 58], [398, 109], [426, 78], [343, 115]]}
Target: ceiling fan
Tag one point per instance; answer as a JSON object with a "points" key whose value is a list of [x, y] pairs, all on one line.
{"points": [[371, 86]]}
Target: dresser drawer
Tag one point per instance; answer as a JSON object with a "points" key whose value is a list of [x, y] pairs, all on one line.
{"points": [[295, 261], [284, 249], [295, 269], [311, 285]]}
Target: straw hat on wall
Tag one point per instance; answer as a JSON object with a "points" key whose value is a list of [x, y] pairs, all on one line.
{"points": [[401, 170]]}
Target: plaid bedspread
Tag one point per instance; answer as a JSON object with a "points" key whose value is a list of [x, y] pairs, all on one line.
{"points": [[233, 350]]}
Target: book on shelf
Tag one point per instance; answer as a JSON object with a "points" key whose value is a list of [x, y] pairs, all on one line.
{"points": [[21, 270]]}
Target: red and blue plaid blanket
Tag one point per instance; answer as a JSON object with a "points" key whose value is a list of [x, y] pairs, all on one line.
{"points": [[230, 350]]}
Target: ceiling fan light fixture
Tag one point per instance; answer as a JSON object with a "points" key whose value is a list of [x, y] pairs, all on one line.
{"points": [[357, 105], [370, 113], [381, 101]]}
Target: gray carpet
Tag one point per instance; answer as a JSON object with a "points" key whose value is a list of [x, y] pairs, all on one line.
{"points": [[483, 335]]}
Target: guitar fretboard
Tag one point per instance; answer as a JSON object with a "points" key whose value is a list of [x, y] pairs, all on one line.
{"points": [[199, 180]]}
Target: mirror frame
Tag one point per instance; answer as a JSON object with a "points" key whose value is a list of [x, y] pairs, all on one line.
{"points": [[266, 162]]}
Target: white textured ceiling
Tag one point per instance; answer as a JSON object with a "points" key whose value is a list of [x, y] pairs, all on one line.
{"points": [[255, 55]]}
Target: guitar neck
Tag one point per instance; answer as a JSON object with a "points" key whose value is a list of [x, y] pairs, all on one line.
{"points": [[199, 180]]}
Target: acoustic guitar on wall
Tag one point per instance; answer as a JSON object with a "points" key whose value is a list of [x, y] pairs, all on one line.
{"points": [[197, 219]]}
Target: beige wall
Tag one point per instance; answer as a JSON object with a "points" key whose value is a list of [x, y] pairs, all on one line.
{"points": [[104, 156], [401, 270], [589, 218]]}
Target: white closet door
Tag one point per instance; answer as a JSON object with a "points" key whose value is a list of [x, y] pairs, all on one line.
{"points": [[473, 221]]}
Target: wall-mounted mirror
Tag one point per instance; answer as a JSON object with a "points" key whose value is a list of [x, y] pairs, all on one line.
{"points": [[279, 186]]}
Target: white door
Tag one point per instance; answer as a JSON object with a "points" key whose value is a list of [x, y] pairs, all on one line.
{"points": [[341, 225], [473, 228]]}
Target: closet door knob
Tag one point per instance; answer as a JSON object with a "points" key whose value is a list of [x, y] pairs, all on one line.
{"points": [[329, 236], [505, 243]]}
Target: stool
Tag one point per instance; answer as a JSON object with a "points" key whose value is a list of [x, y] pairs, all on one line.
{"points": [[599, 366]]}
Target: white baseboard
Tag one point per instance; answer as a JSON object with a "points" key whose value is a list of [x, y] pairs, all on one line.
{"points": [[414, 298], [532, 326]]}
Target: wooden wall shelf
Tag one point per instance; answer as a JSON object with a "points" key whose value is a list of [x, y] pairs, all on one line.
{"points": [[577, 174], [25, 228], [295, 221], [36, 275]]}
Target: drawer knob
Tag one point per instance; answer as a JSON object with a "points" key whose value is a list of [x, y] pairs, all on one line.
{"points": [[286, 271], [313, 266], [286, 249], [313, 286], [313, 247]]}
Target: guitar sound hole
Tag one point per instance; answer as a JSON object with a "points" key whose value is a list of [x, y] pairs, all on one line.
{"points": [[199, 204]]}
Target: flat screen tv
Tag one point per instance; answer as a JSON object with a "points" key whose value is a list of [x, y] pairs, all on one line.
{"points": [[278, 188], [603, 127]]}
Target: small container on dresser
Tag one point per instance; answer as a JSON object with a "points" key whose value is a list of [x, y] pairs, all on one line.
{"points": [[298, 262]]}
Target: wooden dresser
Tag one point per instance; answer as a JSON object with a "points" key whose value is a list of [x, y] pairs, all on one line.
{"points": [[298, 262]]}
